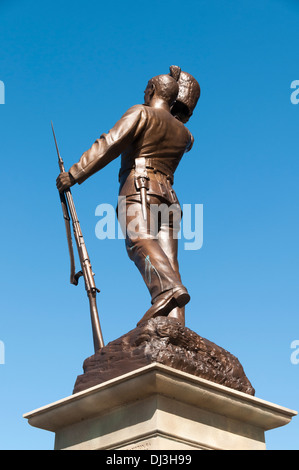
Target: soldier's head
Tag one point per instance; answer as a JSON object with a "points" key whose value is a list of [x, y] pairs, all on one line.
{"points": [[162, 87], [188, 95]]}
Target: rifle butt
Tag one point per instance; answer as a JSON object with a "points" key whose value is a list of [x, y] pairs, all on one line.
{"points": [[98, 340]]}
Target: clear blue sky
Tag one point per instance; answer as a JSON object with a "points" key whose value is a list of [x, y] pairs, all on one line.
{"points": [[82, 64]]}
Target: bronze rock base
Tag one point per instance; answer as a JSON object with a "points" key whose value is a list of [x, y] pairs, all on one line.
{"points": [[164, 340]]}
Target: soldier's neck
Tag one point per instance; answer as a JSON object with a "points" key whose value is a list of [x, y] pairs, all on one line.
{"points": [[159, 103]]}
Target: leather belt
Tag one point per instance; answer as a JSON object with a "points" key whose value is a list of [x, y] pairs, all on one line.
{"points": [[147, 164]]}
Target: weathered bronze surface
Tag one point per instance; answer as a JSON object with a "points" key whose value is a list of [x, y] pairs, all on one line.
{"points": [[168, 342]]}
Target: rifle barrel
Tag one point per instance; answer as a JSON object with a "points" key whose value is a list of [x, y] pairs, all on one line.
{"points": [[68, 204], [87, 274]]}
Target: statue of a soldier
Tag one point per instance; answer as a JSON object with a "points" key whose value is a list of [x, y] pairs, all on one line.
{"points": [[151, 139]]}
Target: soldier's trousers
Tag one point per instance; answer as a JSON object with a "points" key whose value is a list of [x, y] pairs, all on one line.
{"points": [[153, 243]]}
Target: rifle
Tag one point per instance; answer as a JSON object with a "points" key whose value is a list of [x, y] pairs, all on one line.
{"points": [[68, 207]]}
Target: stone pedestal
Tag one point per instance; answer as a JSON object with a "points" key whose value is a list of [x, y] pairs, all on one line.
{"points": [[157, 407]]}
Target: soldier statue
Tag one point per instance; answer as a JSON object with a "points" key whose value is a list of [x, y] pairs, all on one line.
{"points": [[151, 139]]}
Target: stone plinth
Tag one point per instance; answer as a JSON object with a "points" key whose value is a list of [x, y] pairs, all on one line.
{"points": [[157, 407]]}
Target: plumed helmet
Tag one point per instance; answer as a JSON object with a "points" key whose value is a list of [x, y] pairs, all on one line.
{"points": [[189, 93]]}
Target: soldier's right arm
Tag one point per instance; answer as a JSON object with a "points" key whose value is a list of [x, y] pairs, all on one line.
{"points": [[110, 146]]}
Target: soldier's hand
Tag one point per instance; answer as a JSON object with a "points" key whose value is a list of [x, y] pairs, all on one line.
{"points": [[64, 181]]}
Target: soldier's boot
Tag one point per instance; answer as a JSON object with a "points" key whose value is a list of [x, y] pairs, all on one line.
{"points": [[166, 302]]}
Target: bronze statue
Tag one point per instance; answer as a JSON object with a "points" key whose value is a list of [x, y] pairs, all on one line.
{"points": [[151, 139]]}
